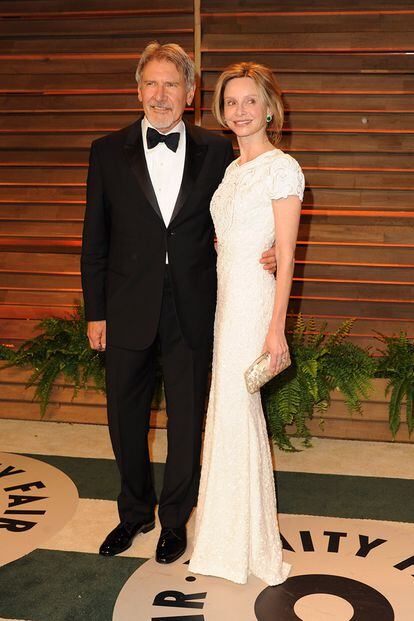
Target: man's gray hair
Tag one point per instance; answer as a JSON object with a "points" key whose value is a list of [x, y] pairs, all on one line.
{"points": [[172, 52]]}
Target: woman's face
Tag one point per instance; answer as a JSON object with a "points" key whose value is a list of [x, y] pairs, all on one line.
{"points": [[244, 110]]}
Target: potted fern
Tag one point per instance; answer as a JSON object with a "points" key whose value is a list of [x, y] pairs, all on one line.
{"points": [[62, 349], [396, 365], [320, 364]]}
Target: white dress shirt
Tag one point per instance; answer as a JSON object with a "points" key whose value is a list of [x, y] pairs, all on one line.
{"points": [[165, 169]]}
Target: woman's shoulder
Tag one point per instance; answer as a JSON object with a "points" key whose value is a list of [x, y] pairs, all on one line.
{"points": [[280, 159], [285, 176]]}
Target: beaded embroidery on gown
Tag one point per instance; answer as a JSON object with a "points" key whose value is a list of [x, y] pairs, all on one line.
{"points": [[236, 523]]}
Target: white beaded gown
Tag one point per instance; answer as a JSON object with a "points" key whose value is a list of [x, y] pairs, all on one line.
{"points": [[236, 530]]}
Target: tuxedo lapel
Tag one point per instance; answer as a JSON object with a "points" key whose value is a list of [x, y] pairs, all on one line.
{"points": [[194, 157], [134, 151]]}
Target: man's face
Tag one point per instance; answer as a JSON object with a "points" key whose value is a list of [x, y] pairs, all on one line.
{"points": [[162, 91]]}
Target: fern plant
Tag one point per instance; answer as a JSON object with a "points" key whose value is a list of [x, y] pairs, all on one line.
{"points": [[61, 348], [397, 366], [320, 364]]}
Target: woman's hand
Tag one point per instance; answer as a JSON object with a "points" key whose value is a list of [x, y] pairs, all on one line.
{"points": [[277, 346]]}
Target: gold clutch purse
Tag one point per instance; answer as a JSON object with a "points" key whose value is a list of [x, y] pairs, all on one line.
{"points": [[258, 372]]}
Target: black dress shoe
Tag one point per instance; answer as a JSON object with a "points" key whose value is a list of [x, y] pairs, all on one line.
{"points": [[171, 545], [122, 536]]}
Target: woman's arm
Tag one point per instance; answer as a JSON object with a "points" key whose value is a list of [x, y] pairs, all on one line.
{"points": [[286, 213]]}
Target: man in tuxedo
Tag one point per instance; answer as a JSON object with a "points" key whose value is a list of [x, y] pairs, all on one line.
{"points": [[149, 277]]}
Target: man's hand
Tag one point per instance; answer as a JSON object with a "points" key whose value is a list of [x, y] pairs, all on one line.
{"points": [[97, 334], [269, 260]]}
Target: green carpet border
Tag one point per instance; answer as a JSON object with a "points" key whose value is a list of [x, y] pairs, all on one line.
{"points": [[63, 586], [329, 495]]}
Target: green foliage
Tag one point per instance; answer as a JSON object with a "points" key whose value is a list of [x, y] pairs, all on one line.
{"points": [[61, 348], [397, 365], [320, 364]]}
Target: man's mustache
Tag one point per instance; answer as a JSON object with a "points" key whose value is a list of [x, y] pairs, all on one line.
{"points": [[162, 106]]}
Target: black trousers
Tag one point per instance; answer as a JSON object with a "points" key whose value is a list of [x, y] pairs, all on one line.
{"points": [[130, 378]]}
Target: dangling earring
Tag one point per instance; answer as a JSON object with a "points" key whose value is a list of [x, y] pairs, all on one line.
{"points": [[269, 117]]}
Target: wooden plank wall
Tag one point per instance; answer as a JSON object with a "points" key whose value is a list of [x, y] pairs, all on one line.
{"points": [[67, 76], [348, 85]]}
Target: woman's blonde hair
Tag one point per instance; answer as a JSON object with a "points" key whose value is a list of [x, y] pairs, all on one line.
{"points": [[267, 86], [172, 52]]}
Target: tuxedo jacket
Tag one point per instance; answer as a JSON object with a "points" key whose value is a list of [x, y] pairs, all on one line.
{"points": [[125, 239]]}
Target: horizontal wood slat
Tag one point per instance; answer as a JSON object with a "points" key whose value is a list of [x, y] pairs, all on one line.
{"points": [[358, 254], [113, 102], [399, 123], [72, 176], [384, 143], [296, 6], [18, 211], [296, 141], [96, 44], [36, 244], [313, 41], [375, 62], [68, 265], [323, 228], [78, 158], [354, 161], [370, 83], [65, 8], [337, 102], [382, 255], [269, 23], [321, 122], [318, 197], [334, 83], [46, 281], [14, 332], [125, 63], [66, 273], [65, 122], [15, 285], [351, 306], [35, 313], [21, 315], [354, 428], [306, 279], [361, 306], [113, 25]]}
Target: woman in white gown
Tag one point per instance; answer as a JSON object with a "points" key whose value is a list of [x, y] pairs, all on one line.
{"points": [[258, 203]]}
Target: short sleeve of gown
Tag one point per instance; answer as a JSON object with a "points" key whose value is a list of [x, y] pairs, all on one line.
{"points": [[285, 178]]}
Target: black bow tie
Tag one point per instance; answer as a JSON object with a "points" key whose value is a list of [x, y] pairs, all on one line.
{"points": [[154, 137]]}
